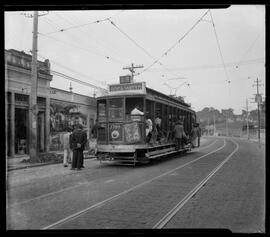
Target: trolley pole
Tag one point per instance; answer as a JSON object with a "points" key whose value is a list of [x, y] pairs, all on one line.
{"points": [[33, 149]]}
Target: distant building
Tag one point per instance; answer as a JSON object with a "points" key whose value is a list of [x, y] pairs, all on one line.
{"points": [[57, 108]]}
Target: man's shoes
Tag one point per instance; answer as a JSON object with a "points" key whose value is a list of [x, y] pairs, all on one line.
{"points": [[82, 166], [72, 169], [78, 168], [65, 165]]}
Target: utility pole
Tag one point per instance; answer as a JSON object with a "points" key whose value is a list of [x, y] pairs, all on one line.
{"points": [[258, 99], [227, 132], [247, 119], [33, 149], [214, 122], [131, 69], [33, 95]]}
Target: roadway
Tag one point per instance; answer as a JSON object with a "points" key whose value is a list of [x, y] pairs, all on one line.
{"points": [[219, 185]]}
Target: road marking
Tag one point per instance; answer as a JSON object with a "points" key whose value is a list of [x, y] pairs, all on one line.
{"points": [[97, 205], [109, 181], [176, 209], [49, 194]]}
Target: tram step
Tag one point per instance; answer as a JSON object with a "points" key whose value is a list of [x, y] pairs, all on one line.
{"points": [[157, 152], [163, 154]]}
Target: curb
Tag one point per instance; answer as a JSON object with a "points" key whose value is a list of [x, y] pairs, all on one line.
{"points": [[38, 165]]}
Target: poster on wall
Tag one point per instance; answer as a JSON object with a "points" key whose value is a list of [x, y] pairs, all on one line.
{"points": [[62, 117]]}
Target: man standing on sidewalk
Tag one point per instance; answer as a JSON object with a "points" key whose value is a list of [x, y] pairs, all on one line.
{"points": [[77, 142], [67, 150]]}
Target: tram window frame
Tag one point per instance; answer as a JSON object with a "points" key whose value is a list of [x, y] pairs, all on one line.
{"points": [[117, 109], [130, 106], [102, 118]]}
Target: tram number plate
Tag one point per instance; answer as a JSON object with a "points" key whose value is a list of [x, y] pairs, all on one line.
{"points": [[115, 131]]}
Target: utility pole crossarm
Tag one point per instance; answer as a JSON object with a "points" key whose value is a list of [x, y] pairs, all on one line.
{"points": [[131, 69]]}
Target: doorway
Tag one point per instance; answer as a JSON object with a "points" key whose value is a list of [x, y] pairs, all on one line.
{"points": [[41, 131], [21, 124]]}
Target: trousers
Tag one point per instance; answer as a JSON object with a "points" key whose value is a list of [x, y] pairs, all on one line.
{"points": [[67, 156], [77, 158]]}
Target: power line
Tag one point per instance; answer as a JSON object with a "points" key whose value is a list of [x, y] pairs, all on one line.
{"points": [[82, 25], [72, 70], [178, 41], [249, 48], [143, 49], [87, 50], [89, 36], [222, 59], [213, 66], [77, 80]]}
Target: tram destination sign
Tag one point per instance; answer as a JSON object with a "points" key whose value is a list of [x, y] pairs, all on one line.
{"points": [[137, 87]]}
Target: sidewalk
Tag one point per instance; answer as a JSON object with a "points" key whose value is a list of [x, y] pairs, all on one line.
{"points": [[16, 163]]}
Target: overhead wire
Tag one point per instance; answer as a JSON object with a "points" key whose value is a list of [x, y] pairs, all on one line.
{"points": [[85, 24], [214, 66], [77, 80], [86, 33], [86, 50], [174, 45], [249, 48], [139, 46], [71, 70], [222, 59]]}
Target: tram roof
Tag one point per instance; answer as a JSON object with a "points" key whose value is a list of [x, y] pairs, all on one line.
{"points": [[151, 94]]}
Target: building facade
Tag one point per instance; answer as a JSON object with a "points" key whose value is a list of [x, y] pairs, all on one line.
{"points": [[57, 108]]}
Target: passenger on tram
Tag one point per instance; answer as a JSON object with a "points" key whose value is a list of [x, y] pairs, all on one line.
{"points": [[149, 127], [179, 134], [158, 128]]}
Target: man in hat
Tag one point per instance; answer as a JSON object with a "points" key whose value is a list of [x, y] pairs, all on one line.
{"points": [[78, 140], [179, 134]]}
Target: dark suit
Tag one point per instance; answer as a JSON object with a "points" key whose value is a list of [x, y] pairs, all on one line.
{"points": [[77, 137]]}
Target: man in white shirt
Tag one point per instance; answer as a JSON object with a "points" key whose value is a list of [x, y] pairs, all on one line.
{"points": [[67, 150]]}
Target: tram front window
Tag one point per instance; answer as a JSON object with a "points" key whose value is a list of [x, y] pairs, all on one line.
{"points": [[132, 103], [116, 108]]}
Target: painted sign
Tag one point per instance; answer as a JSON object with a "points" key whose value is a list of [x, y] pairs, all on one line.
{"points": [[115, 132], [132, 132], [138, 87]]}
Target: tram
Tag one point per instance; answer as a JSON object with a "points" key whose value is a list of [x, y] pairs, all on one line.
{"points": [[121, 136]]}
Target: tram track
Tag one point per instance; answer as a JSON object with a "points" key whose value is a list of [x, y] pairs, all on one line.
{"points": [[168, 217], [82, 184], [110, 199]]}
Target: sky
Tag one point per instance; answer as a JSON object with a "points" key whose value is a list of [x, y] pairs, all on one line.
{"points": [[181, 50]]}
